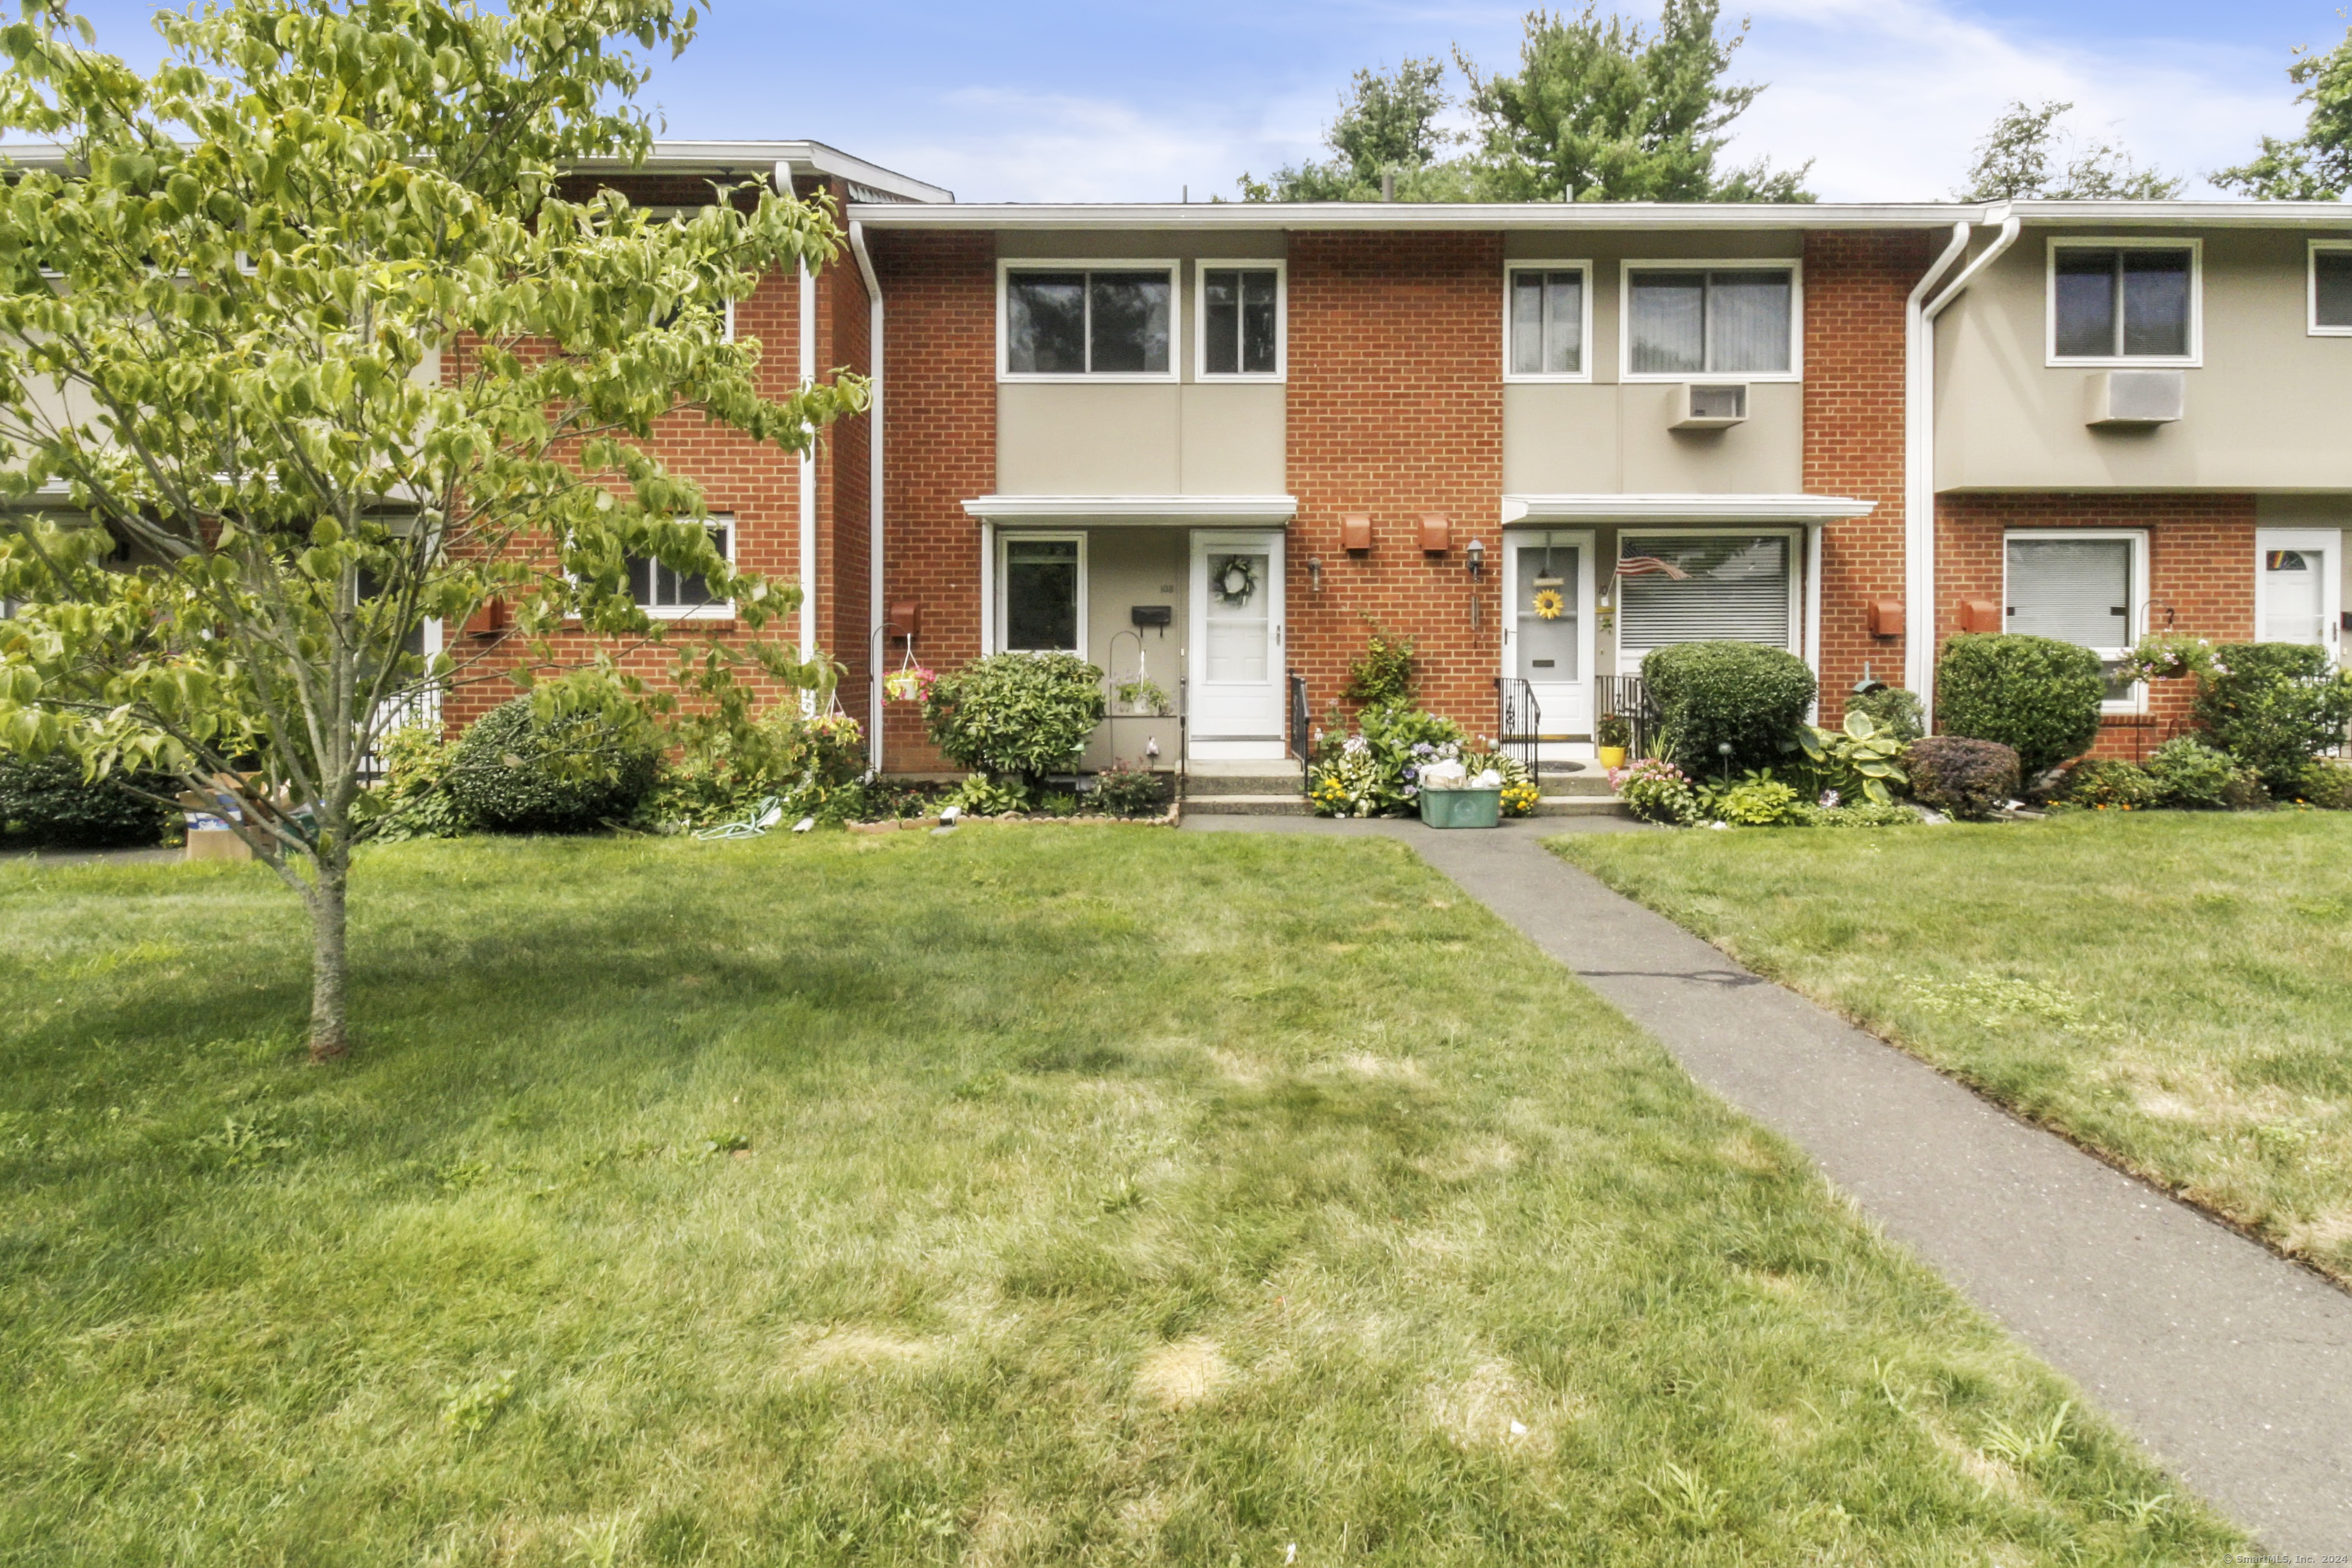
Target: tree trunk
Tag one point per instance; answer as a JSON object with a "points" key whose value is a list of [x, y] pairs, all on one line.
{"points": [[328, 963]]}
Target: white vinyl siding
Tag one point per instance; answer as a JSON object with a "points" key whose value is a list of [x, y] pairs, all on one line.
{"points": [[1738, 588]]}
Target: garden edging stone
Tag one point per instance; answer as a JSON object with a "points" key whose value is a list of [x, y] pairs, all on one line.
{"points": [[2232, 1365]]}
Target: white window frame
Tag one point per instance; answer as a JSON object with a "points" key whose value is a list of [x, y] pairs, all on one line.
{"points": [[1202, 266], [1798, 560], [1006, 538], [1793, 266], [2193, 360], [1006, 266], [2134, 621], [1583, 267], [718, 610], [2311, 288]]}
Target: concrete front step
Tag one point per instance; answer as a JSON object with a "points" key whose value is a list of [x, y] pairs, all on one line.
{"points": [[1271, 781]]}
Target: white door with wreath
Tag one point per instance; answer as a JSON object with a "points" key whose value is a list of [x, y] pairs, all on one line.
{"points": [[1236, 659]]}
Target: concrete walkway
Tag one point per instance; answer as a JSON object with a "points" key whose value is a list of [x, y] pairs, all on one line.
{"points": [[2233, 1367]]}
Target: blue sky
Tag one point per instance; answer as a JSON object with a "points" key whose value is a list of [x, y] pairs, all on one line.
{"points": [[1056, 99]]}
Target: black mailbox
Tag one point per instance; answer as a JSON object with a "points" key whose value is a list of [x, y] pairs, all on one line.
{"points": [[1153, 615]]}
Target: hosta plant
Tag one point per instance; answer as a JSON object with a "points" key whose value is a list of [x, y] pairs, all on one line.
{"points": [[1858, 760]]}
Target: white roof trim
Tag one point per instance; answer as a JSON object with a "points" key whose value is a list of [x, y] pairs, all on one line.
{"points": [[1133, 509], [1682, 509]]}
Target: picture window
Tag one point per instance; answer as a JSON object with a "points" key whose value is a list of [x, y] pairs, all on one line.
{"points": [[2122, 302], [1088, 321], [1715, 321]]}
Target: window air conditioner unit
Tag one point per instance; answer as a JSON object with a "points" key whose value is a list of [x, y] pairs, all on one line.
{"points": [[1707, 405], [2136, 399]]}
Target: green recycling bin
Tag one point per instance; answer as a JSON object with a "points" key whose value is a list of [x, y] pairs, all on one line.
{"points": [[1461, 807]]}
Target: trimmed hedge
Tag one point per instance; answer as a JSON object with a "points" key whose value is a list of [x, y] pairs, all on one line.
{"points": [[1960, 777], [2274, 707], [2193, 776], [507, 774], [45, 803], [2037, 696], [2110, 783], [1027, 714], [1710, 692]]}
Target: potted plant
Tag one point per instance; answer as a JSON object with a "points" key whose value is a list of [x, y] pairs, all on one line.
{"points": [[1452, 796], [1142, 697], [1611, 737]]}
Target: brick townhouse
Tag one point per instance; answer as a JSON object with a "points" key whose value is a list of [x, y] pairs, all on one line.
{"points": [[1211, 445]]}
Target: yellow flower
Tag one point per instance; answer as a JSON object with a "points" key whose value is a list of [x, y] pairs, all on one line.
{"points": [[1548, 604]]}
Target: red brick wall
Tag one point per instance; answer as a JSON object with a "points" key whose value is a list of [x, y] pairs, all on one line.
{"points": [[1396, 409], [938, 294], [2200, 566], [1855, 289]]}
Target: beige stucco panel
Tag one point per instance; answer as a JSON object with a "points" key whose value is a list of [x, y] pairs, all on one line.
{"points": [[1065, 438], [1586, 438], [2268, 408], [1125, 567]]}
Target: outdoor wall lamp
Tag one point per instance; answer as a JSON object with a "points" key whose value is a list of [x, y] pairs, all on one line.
{"points": [[1315, 573], [1477, 559]]}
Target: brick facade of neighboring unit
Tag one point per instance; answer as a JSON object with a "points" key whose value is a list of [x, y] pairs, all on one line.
{"points": [[1395, 410], [2201, 576], [1855, 289]]}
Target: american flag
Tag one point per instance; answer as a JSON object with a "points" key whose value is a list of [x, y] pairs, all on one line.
{"points": [[1648, 565]]}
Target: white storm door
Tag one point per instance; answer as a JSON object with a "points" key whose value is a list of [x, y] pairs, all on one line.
{"points": [[1547, 623], [2299, 586], [1235, 661]]}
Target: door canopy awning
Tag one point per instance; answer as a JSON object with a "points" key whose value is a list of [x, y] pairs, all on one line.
{"points": [[1181, 511], [1682, 509]]}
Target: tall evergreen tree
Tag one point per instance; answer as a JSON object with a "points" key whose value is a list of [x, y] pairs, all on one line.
{"points": [[2316, 166], [2018, 160], [1387, 126]]}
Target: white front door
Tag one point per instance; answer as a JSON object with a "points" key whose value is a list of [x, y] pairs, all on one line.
{"points": [[2299, 586], [1548, 631], [1236, 659]]}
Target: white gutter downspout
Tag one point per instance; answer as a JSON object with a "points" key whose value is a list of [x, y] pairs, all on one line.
{"points": [[1920, 450], [873, 607], [808, 477]]}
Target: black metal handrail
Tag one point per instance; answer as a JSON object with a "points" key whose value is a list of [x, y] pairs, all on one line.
{"points": [[1518, 721], [1301, 740], [1626, 696]]}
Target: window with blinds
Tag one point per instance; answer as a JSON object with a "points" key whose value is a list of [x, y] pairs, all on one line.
{"points": [[2075, 589], [1736, 587], [1710, 321]]}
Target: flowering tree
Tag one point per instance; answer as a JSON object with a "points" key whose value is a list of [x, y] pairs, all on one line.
{"points": [[239, 477]]}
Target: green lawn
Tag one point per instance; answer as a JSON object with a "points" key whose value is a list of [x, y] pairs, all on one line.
{"points": [[1054, 1194], [2173, 989]]}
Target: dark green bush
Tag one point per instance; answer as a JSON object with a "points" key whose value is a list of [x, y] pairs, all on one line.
{"points": [[1960, 777], [1025, 714], [2326, 784], [2193, 776], [2108, 784], [2274, 707], [45, 803], [1124, 789], [1385, 673], [513, 774], [1894, 711], [1710, 692], [2037, 696]]}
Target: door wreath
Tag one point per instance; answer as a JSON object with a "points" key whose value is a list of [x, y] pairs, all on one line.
{"points": [[1235, 580]]}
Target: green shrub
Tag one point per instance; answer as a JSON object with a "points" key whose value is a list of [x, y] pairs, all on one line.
{"points": [[1123, 789], [414, 800], [2274, 707], [980, 796], [1385, 673], [1893, 710], [1757, 800], [513, 774], [1371, 772], [1019, 714], [2326, 784], [1708, 694], [807, 763], [1857, 763], [45, 803], [2037, 696], [1658, 791], [1868, 814], [2193, 776], [2105, 784], [1960, 777]]}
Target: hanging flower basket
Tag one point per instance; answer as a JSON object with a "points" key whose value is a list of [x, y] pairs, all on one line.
{"points": [[911, 684]]}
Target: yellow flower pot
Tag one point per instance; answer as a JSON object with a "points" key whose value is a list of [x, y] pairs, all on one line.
{"points": [[1611, 756]]}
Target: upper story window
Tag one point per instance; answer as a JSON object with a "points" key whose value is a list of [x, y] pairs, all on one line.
{"points": [[2123, 301], [1704, 320], [1242, 308], [2331, 287], [670, 595], [1547, 321], [1068, 319]]}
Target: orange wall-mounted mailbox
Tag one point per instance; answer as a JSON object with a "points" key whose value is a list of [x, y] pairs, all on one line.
{"points": [[1979, 615], [1356, 531], [1886, 617], [905, 618], [489, 619], [1436, 533]]}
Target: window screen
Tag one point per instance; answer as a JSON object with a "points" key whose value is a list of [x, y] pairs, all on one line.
{"points": [[1547, 322], [654, 586], [2124, 302], [1073, 323], [1239, 320], [2075, 589], [1041, 596], [1715, 321], [1734, 588], [2331, 289]]}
